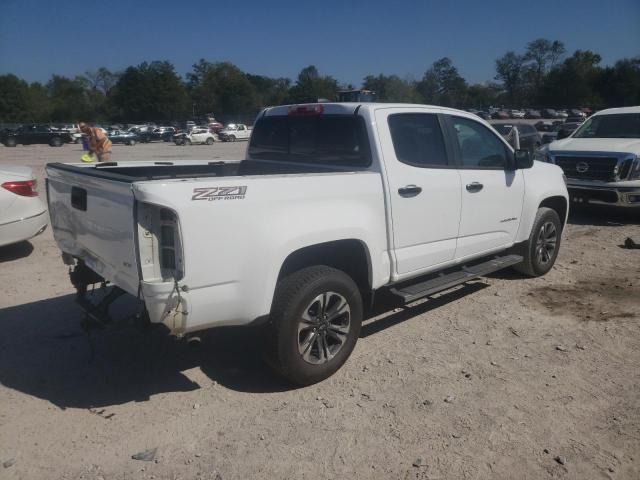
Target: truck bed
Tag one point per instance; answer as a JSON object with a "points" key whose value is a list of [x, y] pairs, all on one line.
{"points": [[139, 171]]}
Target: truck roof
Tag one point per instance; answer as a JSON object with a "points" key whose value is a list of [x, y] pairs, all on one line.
{"points": [[348, 108], [610, 111]]}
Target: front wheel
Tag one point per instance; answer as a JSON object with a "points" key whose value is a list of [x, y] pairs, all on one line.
{"points": [[314, 324], [541, 250], [209, 141], [56, 142]]}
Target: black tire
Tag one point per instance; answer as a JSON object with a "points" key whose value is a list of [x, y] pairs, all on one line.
{"points": [[131, 142], [11, 142], [209, 141], [538, 255], [186, 141], [56, 142], [296, 297], [231, 138]]}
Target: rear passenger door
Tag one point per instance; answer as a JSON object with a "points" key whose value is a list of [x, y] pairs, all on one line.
{"points": [[492, 192], [424, 189]]}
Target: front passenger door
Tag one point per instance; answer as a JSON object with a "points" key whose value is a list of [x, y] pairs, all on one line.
{"points": [[492, 192]]}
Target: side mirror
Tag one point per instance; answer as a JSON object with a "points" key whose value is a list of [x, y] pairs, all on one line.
{"points": [[523, 159]]}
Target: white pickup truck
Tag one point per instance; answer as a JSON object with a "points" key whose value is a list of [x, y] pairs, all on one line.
{"points": [[601, 159], [234, 132], [334, 204]]}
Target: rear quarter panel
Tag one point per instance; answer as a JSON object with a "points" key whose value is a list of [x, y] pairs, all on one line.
{"points": [[234, 247]]}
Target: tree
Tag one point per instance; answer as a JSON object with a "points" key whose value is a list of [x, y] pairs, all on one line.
{"points": [[620, 85], [391, 88], [14, 99], [150, 91], [221, 88], [102, 80], [443, 85], [68, 99], [310, 86], [479, 95], [509, 72], [269, 91], [573, 83], [543, 55]]}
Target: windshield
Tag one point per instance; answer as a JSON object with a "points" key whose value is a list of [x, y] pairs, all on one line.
{"points": [[619, 125], [323, 139]]}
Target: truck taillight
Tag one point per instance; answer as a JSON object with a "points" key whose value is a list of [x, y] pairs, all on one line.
{"points": [[302, 110], [160, 243], [26, 188]]}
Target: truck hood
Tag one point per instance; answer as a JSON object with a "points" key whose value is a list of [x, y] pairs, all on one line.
{"points": [[623, 145]]}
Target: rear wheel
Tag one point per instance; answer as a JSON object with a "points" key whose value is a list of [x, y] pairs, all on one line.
{"points": [[232, 138], [11, 142], [56, 142], [314, 324], [209, 141], [541, 250], [131, 142], [186, 141]]}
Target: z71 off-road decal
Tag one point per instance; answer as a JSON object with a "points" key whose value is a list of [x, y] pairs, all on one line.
{"points": [[219, 193]]}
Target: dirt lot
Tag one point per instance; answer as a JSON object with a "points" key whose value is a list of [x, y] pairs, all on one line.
{"points": [[502, 378]]}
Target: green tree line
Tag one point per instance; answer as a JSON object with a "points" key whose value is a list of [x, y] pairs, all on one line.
{"points": [[541, 75]]}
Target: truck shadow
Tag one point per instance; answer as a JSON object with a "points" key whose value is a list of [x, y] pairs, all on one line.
{"points": [[45, 353], [603, 216]]}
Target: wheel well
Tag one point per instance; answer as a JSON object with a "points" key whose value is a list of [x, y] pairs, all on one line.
{"points": [[559, 204], [350, 256]]}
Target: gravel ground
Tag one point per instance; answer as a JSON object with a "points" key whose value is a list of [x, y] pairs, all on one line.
{"points": [[502, 378]]}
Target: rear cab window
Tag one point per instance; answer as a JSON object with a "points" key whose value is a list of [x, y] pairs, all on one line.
{"points": [[417, 139], [337, 140]]}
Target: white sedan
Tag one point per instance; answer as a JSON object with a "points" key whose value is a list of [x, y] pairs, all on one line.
{"points": [[22, 213]]}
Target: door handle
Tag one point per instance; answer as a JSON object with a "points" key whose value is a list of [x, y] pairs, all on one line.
{"points": [[409, 191], [474, 187]]}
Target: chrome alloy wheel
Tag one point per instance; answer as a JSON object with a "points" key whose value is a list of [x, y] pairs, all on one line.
{"points": [[546, 243], [323, 328]]}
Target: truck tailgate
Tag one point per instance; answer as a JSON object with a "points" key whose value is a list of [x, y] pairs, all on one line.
{"points": [[93, 219]]}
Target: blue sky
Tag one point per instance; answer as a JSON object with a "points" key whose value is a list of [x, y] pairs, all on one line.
{"points": [[346, 39]]}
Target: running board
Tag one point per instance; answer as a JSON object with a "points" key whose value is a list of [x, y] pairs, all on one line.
{"points": [[443, 281]]}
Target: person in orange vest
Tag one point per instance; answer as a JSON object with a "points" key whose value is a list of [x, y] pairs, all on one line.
{"points": [[99, 144]]}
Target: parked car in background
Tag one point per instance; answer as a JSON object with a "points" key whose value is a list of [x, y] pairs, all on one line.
{"points": [[196, 135], [560, 131], [35, 134], [215, 127], [601, 159], [500, 115], [574, 120], [562, 114], [549, 113], [532, 114], [22, 213], [123, 136], [72, 129], [516, 113], [576, 112], [484, 115], [529, 137], [234, 131], [157, 134], [544, 126]]}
